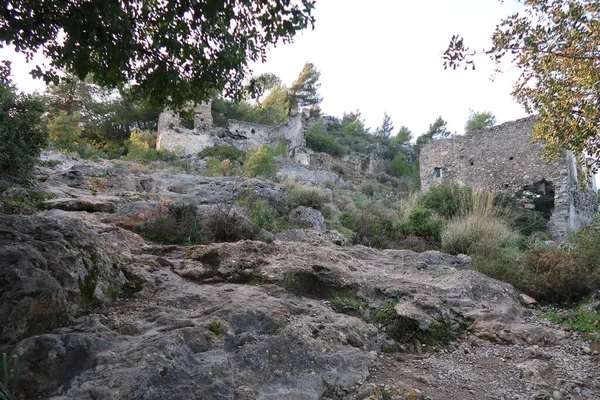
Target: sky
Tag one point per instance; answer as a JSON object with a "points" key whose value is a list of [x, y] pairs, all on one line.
{"points": [[385, 56]]}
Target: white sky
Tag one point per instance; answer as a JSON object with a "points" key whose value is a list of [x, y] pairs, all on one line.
{"points": [[385, 55]]}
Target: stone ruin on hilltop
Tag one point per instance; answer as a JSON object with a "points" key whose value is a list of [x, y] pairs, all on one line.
{"points": [[504, 159], [174, 136]]}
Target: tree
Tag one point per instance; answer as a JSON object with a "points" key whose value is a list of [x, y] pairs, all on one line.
{"points": [[556, 46], [404, 136], [437, 130], [303, 91], [173, 50], [479, 120], [22, 134], [386, 128], [260, 84], [107, 117]]}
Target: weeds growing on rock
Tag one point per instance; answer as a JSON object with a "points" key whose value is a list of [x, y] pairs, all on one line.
{"points": [[580, 319], [215, 327]]}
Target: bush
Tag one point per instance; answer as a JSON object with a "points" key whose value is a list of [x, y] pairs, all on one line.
{"points": [[222, 168], [555, 275], [339, 169], [368, 188], [261, 163], [476, 234], [22, 135], [548, 273], [307, 197], [527, 222], [263, 215], [178, 224], [317, 140], [448, 199], [224, 152], [141, 148], [420, 224], [181, 224], [374, 225]]}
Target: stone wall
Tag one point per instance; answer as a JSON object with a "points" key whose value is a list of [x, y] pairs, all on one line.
{"points": [[504, 159], [356, 166], [172, 135]]}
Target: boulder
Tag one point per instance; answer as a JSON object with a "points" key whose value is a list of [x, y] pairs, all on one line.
{"points": [[307, 217]]}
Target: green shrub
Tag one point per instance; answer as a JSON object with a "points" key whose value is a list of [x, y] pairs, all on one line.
{"points": [[263, 215], [587, 246], [307, 197], [222, 168], [339, 169], [448, 199], [261, 163], [348, 220], [224, 152], [181, 224], [22, 134], [401, 167], [420, 224], [368, 188], [317, 140], [555, 275], [527, 222], [375, 225], [140, 148]]}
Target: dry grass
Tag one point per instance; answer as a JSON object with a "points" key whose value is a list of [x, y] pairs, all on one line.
{"points": [[478, 227]]}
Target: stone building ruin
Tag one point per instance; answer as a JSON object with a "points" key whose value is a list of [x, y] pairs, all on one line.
{"points": [[189, 137], [173, 135], [505, 160]]}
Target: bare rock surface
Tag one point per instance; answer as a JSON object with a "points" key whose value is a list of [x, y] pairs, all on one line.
{"points": [[307, 217], [95, 312]]}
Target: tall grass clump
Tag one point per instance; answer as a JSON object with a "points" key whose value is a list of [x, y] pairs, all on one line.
{"points": [[307, 197], [477, 227]]}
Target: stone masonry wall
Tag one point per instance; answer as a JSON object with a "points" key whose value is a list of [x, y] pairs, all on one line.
{"points": [[504, 159], [243, 135]]}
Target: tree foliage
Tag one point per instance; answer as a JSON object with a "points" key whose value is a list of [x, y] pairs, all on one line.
{"points": [[437, 130], [403, 136], [304, 90], [22, 134], [317, 139], [478, 120], [386, 128], [556, 46], [261, 84], [104, 116], [174, 50]]}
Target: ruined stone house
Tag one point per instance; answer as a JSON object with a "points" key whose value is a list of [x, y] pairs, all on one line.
{"points": [[173, 135], [505, 160]]}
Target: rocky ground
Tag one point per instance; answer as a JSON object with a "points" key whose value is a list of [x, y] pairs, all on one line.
{"points": [[94, 311]]}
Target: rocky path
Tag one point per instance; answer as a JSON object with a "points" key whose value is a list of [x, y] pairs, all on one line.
{"points": [[96, 312], [491, 371]]}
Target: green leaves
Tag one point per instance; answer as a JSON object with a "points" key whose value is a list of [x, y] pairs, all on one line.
{"points": [[174, 53], [479, 120]]}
